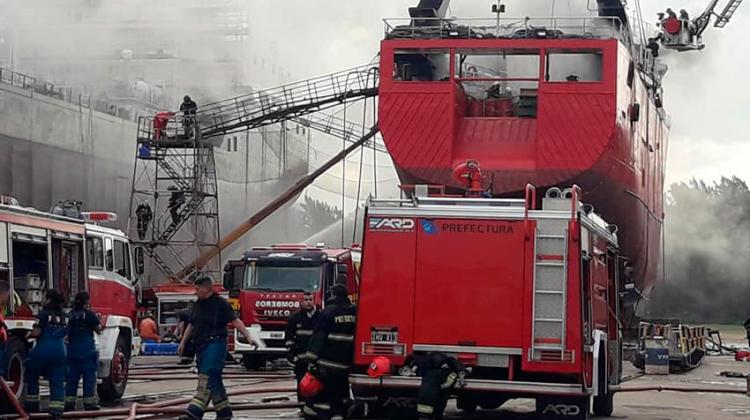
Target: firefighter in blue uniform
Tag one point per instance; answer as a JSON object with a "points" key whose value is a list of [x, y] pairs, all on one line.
{"points": [[83, 358], [331, 353], [47, 358]]}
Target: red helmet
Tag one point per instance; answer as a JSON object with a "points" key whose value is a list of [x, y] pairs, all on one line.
{"points": [[380, 366], [310, 386]]}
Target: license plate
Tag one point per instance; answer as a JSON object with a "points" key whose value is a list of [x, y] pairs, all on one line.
{"points": [[277, 335], [381, 336]]}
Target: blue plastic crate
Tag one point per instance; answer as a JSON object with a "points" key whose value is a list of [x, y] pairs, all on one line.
{"points": [[159, 349]]}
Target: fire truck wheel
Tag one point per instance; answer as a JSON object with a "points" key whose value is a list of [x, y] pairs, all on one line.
{"points": [[253, 362], [113, 387], [604, 403], [15, 370]]}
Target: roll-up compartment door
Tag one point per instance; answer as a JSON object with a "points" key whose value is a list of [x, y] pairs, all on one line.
{"points": [[4, 258], [28, 234], [67, 236]]}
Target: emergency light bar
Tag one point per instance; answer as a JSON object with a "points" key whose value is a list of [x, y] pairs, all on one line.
{"points": [[99, 216]]}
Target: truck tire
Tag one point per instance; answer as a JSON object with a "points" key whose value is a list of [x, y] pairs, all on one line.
{"points": [[252, 361], [113, 386], [15, 370], [604, 402]]}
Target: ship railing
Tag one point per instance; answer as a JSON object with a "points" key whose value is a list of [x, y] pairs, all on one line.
{"points": [[17, 79], [591, 27], [168, 129], [70, 94]]}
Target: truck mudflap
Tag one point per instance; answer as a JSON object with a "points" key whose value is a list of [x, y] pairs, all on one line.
{"points": [[510, 387]]}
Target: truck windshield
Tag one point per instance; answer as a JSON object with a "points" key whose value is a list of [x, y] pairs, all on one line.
{"points": [[303, 278]]}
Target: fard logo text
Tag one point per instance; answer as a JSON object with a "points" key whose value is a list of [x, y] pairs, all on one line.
{"points": [[391, 224]]}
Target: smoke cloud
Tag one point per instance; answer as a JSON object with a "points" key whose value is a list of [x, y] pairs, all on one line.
{"points": [[707, 250]]}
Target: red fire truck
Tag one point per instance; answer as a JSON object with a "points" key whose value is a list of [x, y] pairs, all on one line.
{"points": [[40, 251], [267, 285], [525, 296]]}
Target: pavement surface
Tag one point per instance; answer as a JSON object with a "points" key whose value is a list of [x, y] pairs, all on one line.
{"points": [[650, 405]]}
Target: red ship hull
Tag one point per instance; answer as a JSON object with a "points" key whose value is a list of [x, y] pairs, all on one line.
{"points": [[607, 136]]}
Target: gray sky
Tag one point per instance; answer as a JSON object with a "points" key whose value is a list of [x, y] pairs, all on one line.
{"points": [[705, 92]]}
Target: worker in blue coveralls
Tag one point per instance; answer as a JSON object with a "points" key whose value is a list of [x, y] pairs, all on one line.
{"points": [[47, 358], [208, 329], [83, 358]]}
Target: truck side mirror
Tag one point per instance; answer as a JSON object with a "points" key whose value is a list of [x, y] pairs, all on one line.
{"points": [[342, 270], [228, 278], [139, 261]]}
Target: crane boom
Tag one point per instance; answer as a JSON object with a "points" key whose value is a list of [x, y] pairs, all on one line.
{"points": [[274, 205], [727, 14]]}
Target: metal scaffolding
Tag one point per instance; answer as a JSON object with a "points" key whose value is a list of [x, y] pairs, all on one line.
{"points": [[175, 178]]}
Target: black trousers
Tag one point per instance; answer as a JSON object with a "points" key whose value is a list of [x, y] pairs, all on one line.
{"points": [[432, 398], [333, 400], [300, 369]]}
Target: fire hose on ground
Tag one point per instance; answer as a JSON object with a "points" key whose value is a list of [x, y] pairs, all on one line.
{"points": [[662, 388], [188, 376], [13, 400], [167, 407]]}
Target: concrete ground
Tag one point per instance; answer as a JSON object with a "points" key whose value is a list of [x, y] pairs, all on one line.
{"points": [[638, 406]]}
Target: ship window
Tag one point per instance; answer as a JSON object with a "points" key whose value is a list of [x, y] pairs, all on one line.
{"points": [[499, 82], [573, 66], [95, 252], [420, 65]]}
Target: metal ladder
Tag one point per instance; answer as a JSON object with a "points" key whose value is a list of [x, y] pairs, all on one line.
{"points": [[287, 102], [729, 10], [550, 290]]}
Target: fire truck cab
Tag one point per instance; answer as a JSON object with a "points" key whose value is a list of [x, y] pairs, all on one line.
{"points": [[41, 251], [525, 296], [268, 284]]}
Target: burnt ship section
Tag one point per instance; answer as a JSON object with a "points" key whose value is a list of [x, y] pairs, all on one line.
{"points": [[552, 102]]}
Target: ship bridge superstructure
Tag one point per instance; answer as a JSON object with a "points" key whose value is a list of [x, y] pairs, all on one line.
{"points": [[551, 101]]}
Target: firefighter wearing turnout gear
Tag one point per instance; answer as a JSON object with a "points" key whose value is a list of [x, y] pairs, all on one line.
{"points": [[47, 358], [299, 330], [331, 352], [439, 374], [208, 328]]}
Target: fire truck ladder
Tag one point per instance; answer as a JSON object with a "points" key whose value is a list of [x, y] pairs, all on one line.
{"points": [[193, 138], [550, 291], [727, 14]]}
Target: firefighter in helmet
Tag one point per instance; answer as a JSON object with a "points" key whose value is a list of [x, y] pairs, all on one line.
{"points": [[299, 330], [188, 107], [331, 352], [440, 374], [176, 200]]}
